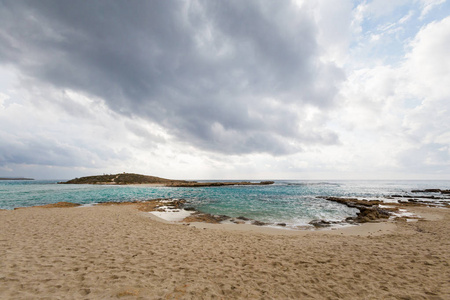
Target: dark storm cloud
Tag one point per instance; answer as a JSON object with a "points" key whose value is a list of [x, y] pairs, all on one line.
{"points": [[202, 69]]}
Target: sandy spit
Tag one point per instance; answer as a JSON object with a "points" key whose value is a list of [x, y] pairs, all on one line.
{"points": [[117, 252]]}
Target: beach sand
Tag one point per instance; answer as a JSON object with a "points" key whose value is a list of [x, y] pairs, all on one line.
{"points": [[116, 251]]}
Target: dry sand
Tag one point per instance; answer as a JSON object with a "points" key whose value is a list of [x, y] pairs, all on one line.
{"points": [[115, 251]]}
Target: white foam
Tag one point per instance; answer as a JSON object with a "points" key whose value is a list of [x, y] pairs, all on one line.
{"points": [[172, 215], [404, 213], [166, 200], [87, 205], [382, 199], [165, 207]]}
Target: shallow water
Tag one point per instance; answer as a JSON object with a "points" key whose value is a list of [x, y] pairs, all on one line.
{"points": [[291, 202]]}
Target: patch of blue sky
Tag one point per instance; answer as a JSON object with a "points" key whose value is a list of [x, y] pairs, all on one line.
{"points": [[436, 13], [411, 103], [386, 33]]}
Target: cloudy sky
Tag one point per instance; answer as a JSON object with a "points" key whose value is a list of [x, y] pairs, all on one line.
{"points": [[226, 89]]}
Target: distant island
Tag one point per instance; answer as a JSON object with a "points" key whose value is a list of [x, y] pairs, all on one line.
{"points": [[15, 178], [130, 178]]}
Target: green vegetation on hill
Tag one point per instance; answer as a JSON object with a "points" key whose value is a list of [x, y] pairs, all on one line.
{"points": [[122, 178]]}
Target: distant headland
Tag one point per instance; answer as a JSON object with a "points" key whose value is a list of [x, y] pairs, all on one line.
{"points": [[15, 178], [131, 178]]}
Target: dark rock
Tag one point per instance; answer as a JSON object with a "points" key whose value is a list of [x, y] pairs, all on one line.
{"points": [[428, 197], [243, 218], [363, 219], [258, 223], [352, 202], [266, 182], [324, 223], [282, 224], [177, 203], [207, 218], [221, 217], [371, 214], [320, 223], [368, 210], [427, 191]]}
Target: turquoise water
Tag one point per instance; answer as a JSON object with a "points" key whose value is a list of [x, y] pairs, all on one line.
{"points": [[292, 202]]}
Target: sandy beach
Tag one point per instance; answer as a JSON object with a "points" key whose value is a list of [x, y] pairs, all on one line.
{"points": [[116, 251]]}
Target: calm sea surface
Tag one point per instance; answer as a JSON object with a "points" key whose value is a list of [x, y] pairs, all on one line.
{"points": [[291, 202]]}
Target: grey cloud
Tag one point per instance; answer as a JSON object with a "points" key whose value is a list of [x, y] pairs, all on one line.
{"points": [[429, 158], [40, 150], [201, 69]]}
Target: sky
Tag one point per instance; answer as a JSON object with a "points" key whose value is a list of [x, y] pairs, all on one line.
{"points": [[201, 89]]}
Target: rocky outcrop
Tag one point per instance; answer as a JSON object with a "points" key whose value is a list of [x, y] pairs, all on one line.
{"points": [[130, 178], [156, 204], [206, 218], [368, 214], [368, 209], [122, 178], [353, 202], [15, 178], [444, 193], [431, 191], [323, 223], [259, 223], [213, 184], [424, 200]]}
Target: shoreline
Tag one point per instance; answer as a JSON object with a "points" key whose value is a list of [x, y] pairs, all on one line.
{"points": [[172, 211], [369, 228], [374, 227], [370, 211], [366, 229]]}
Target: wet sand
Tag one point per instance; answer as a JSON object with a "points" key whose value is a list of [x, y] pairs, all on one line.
{"points": [[118, 252]]}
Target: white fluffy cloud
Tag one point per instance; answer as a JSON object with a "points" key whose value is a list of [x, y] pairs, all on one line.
{"points": [[396, 117]]}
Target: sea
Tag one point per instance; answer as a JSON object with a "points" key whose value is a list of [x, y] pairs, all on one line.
{"points": [[294, 202]]}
